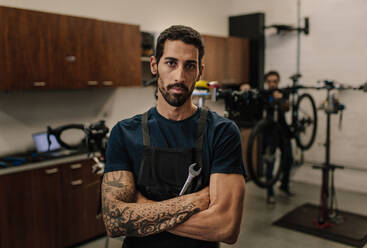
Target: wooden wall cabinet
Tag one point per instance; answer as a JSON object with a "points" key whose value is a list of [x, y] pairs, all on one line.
{"points": [[51, 51], [75, 62], [118, 54], [226, 59], [238, 60], [25, 50], [50, 207], [215, 58]]}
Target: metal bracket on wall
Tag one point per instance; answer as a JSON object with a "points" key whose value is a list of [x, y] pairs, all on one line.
{"points": [[282, 28]]}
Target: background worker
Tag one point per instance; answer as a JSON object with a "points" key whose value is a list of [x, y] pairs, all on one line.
{"points": [[272, 80], [148, 159]]}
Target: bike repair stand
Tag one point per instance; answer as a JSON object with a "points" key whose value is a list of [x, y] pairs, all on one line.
{"points": [[327, 216], [326, 220]]}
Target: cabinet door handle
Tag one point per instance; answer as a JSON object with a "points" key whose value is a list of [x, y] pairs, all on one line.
{"points": [[107, 83], [76, 166], [51, 171], [70, 58], [76, 182], [39, 84], [92, 83]]}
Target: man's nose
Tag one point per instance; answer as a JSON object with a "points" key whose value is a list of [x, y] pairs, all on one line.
{"points": [[180, 74]]}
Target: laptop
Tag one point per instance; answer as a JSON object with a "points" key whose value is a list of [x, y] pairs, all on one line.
{"points": [[42, 146]]}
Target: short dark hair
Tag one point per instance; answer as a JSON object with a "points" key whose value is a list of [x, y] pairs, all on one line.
{"points": [[269, 73], [179, 32]]}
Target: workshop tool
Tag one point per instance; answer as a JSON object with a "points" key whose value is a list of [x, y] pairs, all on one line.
{"points": [[192, 174], [98, 167]]}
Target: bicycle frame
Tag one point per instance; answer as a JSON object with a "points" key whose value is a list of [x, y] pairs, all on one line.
{"points": [[293, 102]]}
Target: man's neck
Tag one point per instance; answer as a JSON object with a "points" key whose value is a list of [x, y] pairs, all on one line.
{"points": [[175, 113]]}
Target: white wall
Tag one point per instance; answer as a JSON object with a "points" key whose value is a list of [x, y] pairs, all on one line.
{"points": [[24, 113], [335, 49]]}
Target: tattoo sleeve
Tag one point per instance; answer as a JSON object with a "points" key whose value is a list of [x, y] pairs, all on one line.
{"points": [[123, 217]]}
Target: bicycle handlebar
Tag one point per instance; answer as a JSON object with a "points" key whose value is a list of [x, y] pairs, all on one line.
{"points": [[57, 133], [94, 135]]}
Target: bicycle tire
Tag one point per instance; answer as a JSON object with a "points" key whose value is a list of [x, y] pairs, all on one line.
{"points": [[256, 169], [300, 122]]}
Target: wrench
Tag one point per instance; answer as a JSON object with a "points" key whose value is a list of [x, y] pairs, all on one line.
{"points": [[192, 174]]}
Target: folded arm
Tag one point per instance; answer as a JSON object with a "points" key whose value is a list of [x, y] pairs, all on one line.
{"points": [[222, 220], [124, 217]]}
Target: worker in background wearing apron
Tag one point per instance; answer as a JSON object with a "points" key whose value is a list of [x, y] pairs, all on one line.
{"points": [[149, 157]]}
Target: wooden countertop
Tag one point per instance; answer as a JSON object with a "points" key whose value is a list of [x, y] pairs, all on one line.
{"points": [[43, 164]]}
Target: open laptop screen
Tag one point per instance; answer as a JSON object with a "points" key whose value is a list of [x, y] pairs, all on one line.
{"points": [[41, 143]]}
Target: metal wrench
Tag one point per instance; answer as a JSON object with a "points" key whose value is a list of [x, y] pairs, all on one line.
{"points": [[192, 174]]}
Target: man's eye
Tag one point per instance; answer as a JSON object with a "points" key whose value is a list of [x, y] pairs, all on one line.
{"points": [[190, 66], [171, 63]]}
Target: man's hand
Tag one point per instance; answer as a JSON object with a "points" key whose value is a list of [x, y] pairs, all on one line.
{"points": [[277, 94], [222, 220], [284, 104], [245, 87]]}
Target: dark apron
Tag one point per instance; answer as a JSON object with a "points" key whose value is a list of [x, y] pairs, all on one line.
{"points": [[163, 172]]}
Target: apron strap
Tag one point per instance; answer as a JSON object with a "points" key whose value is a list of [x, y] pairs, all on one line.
{"points": [[200, 130], [198, 154], [145, 129]]}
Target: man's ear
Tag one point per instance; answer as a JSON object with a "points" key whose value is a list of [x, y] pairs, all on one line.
{"points": [[153, 65], [201, 70]]}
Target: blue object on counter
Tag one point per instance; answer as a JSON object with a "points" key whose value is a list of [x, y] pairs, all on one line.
{"points": [[200, 93], [15, 160], [3, 164]]}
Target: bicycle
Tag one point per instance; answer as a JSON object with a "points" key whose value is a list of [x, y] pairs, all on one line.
{"points": [[303, 114], [302, 128], [243, 107], [94, 140]]}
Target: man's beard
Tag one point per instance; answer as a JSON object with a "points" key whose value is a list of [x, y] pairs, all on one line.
{"points": [[173, 99]]}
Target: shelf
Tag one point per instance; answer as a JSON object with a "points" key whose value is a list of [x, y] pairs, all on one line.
{"points": [[145, 59]]}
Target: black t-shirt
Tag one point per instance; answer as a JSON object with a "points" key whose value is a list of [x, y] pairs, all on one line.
{"points": [[222, 152]]}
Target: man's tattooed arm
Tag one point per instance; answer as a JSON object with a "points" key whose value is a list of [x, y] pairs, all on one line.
{"points": [[123, 217]]}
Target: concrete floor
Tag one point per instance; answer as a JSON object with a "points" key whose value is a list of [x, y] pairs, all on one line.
{"points": [[257, 229]]}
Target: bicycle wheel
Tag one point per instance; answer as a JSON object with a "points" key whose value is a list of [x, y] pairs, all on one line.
{"points": [[265, 153], [306, 121]]}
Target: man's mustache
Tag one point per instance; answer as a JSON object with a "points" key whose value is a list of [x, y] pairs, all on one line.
{"points": [[178, 85]]}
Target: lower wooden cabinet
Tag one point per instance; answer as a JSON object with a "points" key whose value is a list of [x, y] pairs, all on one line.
{"points": [[50, 207], [46, 189], [17, 222], [80, 203]]}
